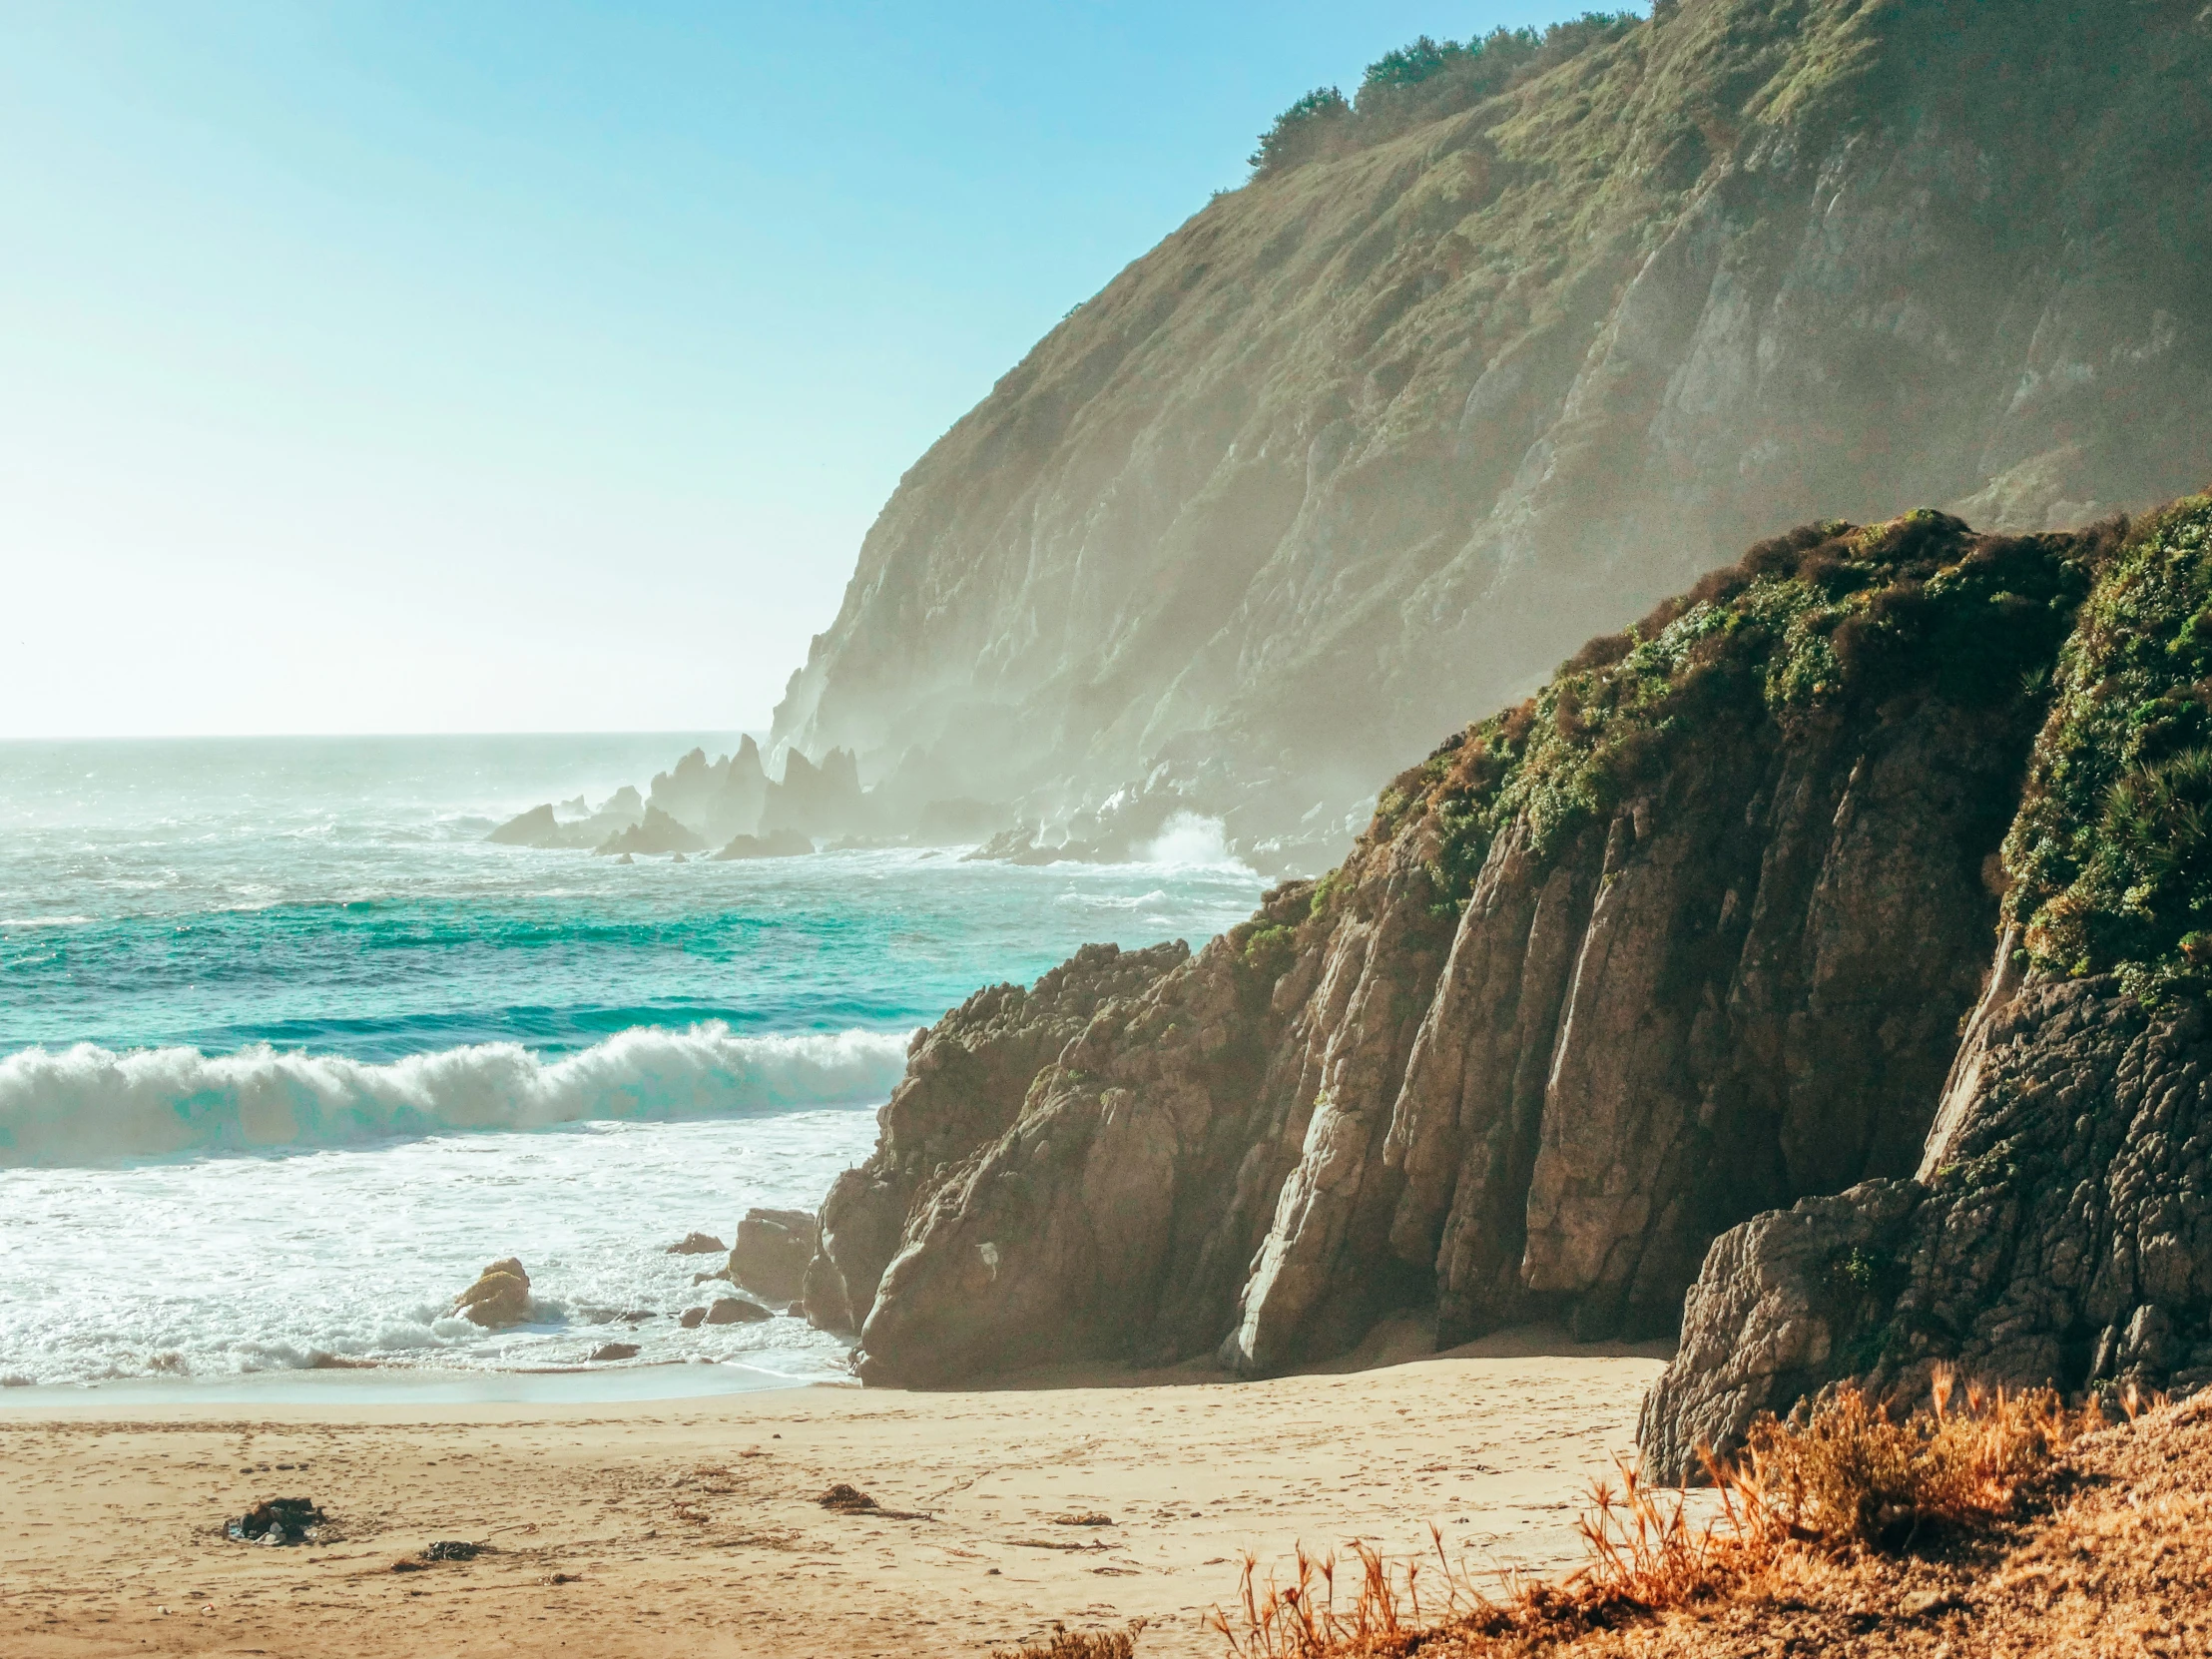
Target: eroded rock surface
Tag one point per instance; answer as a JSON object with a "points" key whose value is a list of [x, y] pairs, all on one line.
{"points": [[2058, 1228], [773, 1248], [1688, 937], [965, 1080]]}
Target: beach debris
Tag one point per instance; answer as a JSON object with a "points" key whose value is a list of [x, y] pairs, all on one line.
{"points": [[500, 1295], [698, 1244], [445, 1549], [559, 1578], [737, 1310], [1089, 1517], [615, 1350], [277, 1521], [842, 1499]]}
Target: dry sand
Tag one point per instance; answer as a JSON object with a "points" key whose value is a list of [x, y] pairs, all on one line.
{"points": [[691, 1527]]}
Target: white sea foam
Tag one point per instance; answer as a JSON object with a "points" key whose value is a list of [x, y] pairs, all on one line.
{"points": [[1153, 900], [1193, 842], [87, 1104], [270, 1260]]}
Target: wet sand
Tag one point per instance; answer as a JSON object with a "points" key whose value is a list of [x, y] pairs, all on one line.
{"points": [[691, 1526]]}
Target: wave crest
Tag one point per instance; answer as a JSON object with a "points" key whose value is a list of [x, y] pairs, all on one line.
{"points": [[87, 1104]]}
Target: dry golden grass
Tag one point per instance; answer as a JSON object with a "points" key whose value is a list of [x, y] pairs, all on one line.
{"points": [[1077, 1644], [1845, 1477], [1851, 1473]]}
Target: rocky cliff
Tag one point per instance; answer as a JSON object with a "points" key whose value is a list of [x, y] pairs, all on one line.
{"points": [[2058, 1225], [1375, 439], [1689, 936]]}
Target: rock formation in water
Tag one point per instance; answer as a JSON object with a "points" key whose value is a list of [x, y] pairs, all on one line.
{"points": [[543, 827], [718, 799], [1375, 440], [499, 1298], [1687, 936], [780, 844], [656, 833], [773, 1248], [819, 801]]}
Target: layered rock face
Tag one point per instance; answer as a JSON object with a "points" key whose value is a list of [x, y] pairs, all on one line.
{"points": [[1376, 440], [1686, 936], [2058, 1227], [965, 1081]]}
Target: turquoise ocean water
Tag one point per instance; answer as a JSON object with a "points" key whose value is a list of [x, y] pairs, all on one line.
{"points": [[275, 1016]]}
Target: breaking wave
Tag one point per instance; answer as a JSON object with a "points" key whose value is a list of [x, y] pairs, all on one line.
{"points": [[87, 1104]]}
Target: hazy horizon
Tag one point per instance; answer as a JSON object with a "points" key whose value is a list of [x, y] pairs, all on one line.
{"points": [[408, 373]]}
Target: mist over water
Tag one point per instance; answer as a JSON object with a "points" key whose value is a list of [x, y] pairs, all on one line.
{"points": [[262, 997]]}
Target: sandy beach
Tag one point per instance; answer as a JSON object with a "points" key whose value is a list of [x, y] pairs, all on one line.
{"points": [[694, 1527]]}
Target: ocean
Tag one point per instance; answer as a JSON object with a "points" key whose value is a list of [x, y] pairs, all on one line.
{"points": [[288, 1051]]}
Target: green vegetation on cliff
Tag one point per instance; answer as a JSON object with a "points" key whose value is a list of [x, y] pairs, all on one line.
{"points": [[1424, 81], [1828, 615], [2110, 861]]}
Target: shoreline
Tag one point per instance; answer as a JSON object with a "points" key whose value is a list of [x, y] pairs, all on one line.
{"points": [[375, 1385], [619, 1528]]}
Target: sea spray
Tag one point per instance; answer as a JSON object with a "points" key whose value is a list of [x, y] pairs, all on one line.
{"points": [[85, 1104]]}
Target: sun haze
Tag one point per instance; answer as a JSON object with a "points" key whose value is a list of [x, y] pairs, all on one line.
{"points": [[523, 367]]}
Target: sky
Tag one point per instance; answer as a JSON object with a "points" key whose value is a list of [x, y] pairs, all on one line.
{"points": [[421, 367]]}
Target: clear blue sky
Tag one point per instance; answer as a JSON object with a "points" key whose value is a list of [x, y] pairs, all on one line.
{"points": [[410, 368]]}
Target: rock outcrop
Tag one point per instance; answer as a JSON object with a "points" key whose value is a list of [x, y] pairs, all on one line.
{"points": [[966, 1078], [541, 826], [655, 834], [499, 1298], [717, 798], [816, 802], [1687, 936], [1374, 442], [779, 843], [773, 1248], [2058, 1225]]}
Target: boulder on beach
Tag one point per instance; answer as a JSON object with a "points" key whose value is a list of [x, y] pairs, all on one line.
{"points": [[500, 1295], [614, 1351], [735, 1310], [697, 1244], [773, 1248]]}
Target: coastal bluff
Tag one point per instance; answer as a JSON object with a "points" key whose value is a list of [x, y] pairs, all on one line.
{"points": [[1378, 437], [1699, 936]]}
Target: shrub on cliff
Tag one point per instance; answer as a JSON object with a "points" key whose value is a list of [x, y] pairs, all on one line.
{"points": [[1424, 81], [2110, 864], [1805, 623]]}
